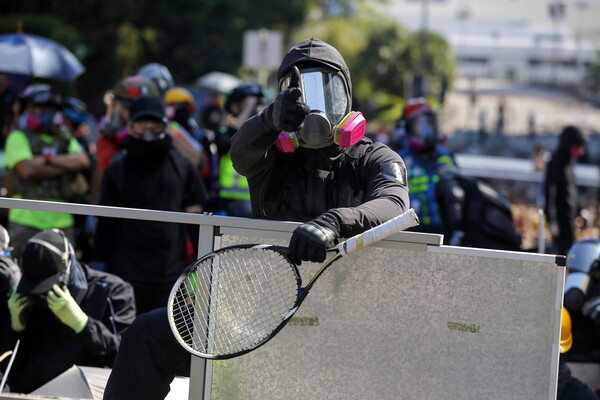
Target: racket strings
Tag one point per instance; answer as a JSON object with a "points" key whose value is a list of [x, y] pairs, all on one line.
{"points": [[234, 299]]}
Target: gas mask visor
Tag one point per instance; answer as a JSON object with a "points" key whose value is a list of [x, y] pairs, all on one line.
{"points": [[325, 93]]}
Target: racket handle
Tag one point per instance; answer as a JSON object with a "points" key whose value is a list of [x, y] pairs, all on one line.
{"points": [[403, 221]]}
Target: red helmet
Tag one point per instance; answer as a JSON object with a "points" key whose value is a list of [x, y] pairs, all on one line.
{"points": [[420, 124]]}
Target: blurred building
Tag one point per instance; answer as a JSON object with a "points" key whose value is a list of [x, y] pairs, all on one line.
{"points": [[527, 41]]}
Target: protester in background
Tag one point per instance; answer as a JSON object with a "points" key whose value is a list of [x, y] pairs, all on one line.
{"points": [[113, 124], [149, 175], [541, 156], [424, 158], [43, 163], [582, 300], [234, 195], [338, 186], [474, 214], [560, 190], [568, 386], [64, 313]]}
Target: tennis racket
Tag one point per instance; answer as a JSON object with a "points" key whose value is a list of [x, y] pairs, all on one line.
{"points": [[235, 299]]}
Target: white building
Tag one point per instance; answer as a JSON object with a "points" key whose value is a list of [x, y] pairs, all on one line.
{"points": [[517, 40]]}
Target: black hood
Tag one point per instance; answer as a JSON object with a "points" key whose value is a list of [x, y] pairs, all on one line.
{"points": [[571, 136], [314, 51]]}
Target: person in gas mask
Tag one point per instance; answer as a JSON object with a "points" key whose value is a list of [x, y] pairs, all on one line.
{"points": [[64, 313], [425, 158], [43, 163], [306, 159], [560, 189], [150, 174]]}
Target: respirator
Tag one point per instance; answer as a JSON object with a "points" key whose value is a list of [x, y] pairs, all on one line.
{"points": [[330, 120]]}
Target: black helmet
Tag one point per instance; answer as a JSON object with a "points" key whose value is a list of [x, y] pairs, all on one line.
{"points": [[240, 93], [159, 74], [75, 110]]}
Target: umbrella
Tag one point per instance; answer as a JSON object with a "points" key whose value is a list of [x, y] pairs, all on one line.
{"points": [[218, 81], [26, 54]]}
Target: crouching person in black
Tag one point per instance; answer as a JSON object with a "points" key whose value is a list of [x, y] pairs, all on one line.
{"points": [[64, 313]]}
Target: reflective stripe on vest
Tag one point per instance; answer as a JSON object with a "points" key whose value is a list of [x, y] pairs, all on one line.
{"points": [[231, 184]]}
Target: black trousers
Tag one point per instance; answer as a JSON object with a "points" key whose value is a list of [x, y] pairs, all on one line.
{"points": [[149, 358]]}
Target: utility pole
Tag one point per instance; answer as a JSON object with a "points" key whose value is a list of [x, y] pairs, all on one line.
{"points": [[419, 78]]}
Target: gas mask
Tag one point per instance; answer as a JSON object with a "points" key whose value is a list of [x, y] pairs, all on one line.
{"points": [[114, 124], [329, 121], [422, 132], [41, 123]]}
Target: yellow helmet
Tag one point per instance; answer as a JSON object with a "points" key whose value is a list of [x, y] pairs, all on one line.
{"points": [[178, 95], [566, 337]]}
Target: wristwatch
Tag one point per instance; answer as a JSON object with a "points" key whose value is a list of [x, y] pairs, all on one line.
{"points": [[48, 158]]}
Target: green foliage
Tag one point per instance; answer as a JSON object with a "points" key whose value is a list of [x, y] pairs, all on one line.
{"points": [[383, 58], [592, 78], [52, 26]]}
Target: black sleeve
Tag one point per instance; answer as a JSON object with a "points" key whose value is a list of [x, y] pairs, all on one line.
{"points": [[101, 338], [252, 146], [450, 197], [383, 174], [110, 195]]}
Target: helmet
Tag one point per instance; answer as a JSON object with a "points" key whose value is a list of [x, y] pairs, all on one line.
{"points": [[132, 87], [566, 337], [583, 264], [75, 110], [179, 95], [159, 74], [420, 124], [240, 93], [39, 93]]}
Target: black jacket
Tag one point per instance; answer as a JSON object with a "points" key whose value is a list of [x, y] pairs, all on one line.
{"points": [[348, 190], [148, 254], [361, 188], [48, 347]]}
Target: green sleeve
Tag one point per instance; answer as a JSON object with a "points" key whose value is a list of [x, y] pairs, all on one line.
{"points": [[74, 146], [17, 149]]}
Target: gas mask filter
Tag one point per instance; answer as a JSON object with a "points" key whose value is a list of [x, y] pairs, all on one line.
{"points": [[329, 120]]}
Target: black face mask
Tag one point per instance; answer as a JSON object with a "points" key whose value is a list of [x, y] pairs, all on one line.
{"points": [[148, 151]]}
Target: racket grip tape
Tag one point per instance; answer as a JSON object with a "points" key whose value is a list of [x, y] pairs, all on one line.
{"points": [[403, 221]]}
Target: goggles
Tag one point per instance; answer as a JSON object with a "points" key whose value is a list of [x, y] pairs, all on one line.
{"points": [[148, 130], [323, 91]]}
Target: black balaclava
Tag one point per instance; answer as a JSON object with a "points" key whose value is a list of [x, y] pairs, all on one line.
{"points": [[148, 152], [570, 137]]}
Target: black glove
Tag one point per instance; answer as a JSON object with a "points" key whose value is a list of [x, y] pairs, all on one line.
{"points": [[287, 111], [310, 243]]}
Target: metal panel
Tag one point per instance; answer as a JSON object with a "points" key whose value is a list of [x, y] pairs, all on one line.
{"points": [[400, 324]]}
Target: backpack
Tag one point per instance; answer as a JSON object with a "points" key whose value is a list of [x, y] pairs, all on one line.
{"points": [[487, 216]]}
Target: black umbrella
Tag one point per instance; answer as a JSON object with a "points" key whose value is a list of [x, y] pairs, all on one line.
{"points": [[36, 56]]}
